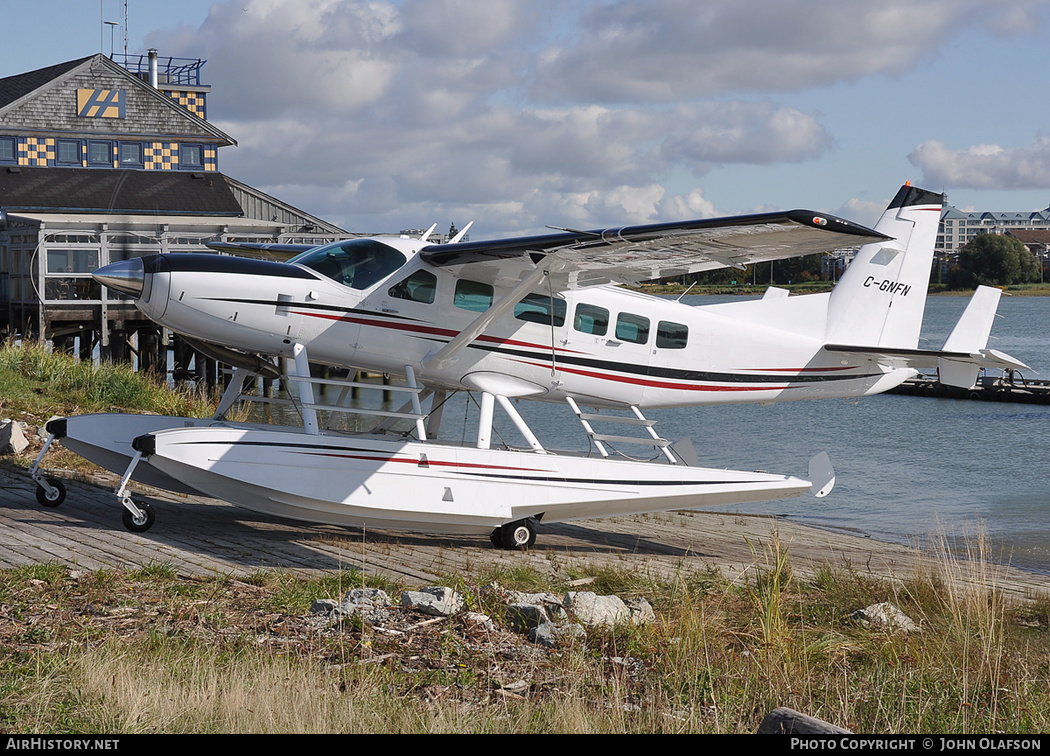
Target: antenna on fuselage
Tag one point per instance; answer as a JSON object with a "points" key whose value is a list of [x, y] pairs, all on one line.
{"points": [[686, 291], [428, 232]]}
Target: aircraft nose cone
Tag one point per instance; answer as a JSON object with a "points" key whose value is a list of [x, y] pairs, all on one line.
{"points": [[126, 276]]}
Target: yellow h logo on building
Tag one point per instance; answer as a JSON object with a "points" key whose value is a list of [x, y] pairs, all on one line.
{"points": [[100, 103]]}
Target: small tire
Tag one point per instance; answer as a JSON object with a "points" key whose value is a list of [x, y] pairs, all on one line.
{"points": [[149, 516], [518, 536], [496, 538], [51, 499]]}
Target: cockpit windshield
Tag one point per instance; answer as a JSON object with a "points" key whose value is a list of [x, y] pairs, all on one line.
{"points": [[357, 263]]}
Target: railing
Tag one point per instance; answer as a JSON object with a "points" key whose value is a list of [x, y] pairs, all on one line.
{"points": [[652, 439], [169, 70]]}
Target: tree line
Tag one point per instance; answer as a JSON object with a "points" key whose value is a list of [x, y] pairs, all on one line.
{"points": [[987, 260]]}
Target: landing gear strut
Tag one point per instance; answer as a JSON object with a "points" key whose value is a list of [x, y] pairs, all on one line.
{"points": [[138, 516], [50, 492], [514, 536]]}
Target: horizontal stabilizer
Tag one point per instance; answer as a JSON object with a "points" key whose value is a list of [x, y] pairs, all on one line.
{"points": [[929, 358], [964, 353]]}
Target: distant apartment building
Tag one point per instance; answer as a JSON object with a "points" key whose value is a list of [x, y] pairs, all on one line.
{"points": [[959, 227]]}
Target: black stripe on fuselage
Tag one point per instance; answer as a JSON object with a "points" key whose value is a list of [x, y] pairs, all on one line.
{"points": [[648, 371]]}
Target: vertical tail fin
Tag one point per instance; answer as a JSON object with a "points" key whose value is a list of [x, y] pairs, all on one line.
{"points": [[880, 299]]}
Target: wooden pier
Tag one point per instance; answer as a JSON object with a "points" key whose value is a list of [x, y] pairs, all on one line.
{"points": [[196, 535], [1009, 388]]}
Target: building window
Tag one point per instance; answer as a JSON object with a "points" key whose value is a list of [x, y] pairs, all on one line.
{"points": [[191, 156], [68, 152], [131, 154], [7, 149], [100, 153]]}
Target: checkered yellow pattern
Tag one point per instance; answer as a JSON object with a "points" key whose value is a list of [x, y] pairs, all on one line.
{"points": [[36, 151], [161, 156], [192, 101]]}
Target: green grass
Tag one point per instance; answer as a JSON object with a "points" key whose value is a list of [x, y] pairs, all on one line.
{"points": [[37, 381], [150, 651]]}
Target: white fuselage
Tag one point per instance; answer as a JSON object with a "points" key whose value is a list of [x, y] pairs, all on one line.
{"points": [[607, 346]]}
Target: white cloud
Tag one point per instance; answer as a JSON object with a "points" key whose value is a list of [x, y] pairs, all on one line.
{"points": [[665, 50], [690, 205], [741, 132], [373, 114], [864, 212], [984, 166]]}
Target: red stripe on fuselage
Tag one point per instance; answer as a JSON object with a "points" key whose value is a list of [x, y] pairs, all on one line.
{"points": [[430, 331], [656, 384]]}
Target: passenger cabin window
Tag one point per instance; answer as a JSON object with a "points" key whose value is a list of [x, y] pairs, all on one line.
{"points": [[357, 263], [421, 286], [671, 335], [472, 295], [634, 329], [591, 319], [538, 308]]}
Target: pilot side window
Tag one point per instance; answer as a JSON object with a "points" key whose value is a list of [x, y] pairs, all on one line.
{"points": [[634, 329], [472, 295], [671, 335], [591, 319], [421, 286], [537, 308]]}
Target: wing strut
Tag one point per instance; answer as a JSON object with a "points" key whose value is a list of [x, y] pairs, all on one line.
{"points": [[445, 357]]}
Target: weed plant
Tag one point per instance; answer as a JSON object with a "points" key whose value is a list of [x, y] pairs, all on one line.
{"points": [[152, 651], [37, 380]]}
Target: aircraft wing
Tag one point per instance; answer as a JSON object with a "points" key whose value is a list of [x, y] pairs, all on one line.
{"points": [[272, 251], [646, 252]]}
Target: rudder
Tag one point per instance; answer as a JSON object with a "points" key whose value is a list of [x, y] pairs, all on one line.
{"points": [[881, 298]]}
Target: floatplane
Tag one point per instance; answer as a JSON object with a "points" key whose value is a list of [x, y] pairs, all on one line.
{"points": [[528, 318]]}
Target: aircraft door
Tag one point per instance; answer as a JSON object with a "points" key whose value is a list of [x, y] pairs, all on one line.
{"points": [[615, 348]]}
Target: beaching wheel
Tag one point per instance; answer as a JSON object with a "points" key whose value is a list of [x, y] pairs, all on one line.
{"points": [[53, 497], [518, 536], [496, 536], [143, 522]]}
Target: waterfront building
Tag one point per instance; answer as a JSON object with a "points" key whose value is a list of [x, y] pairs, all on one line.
{"points": [[959, 227], [103, 159]]}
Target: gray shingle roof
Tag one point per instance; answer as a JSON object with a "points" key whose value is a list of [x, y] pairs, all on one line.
{"points": [[110, 190], [13, 87]]}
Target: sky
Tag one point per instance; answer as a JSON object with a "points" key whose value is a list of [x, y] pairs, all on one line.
{"points": [[516, 114]]}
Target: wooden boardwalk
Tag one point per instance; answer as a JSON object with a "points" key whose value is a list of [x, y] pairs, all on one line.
{"points": [[201, 536]]}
